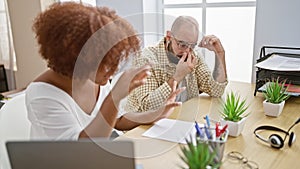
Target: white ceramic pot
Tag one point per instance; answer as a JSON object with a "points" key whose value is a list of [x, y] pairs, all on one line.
{"points": [[234, 128], [272, 109]]}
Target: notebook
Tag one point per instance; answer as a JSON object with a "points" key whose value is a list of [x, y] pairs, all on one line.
{"points": [[83, 154]]}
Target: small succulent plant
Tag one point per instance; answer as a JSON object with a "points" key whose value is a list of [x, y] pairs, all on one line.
{"points": [[198, 155], [275, 91], [234, 108]]}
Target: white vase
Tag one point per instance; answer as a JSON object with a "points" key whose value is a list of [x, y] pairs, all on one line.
{"points": [[272, 109], [234, 128]]}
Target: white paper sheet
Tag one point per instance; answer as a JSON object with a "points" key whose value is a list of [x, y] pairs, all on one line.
{"points": [[171, 130], [280, 63]]}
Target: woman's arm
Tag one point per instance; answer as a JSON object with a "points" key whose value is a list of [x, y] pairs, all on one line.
{"points": [[105, 120], [132, 120]]}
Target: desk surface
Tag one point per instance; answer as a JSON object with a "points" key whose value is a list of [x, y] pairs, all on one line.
{"points": [[154, 153]]}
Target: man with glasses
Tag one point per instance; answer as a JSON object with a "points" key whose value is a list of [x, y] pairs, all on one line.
{"points": [[174, 59]]}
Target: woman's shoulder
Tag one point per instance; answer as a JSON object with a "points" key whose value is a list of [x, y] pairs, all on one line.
{"points": [[43, 90]]}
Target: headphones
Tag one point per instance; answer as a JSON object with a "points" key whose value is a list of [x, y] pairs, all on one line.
{"points": [[274, 139]]}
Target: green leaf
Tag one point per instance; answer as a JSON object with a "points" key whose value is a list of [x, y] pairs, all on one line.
{"points": [[234, 107], [276, 91], [198, 155]]}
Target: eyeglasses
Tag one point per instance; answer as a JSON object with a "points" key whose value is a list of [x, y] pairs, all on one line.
{"points": [[183, 44], [235, 156]]}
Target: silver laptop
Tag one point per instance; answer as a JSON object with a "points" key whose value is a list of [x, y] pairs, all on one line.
{"points": [[83, 154]]}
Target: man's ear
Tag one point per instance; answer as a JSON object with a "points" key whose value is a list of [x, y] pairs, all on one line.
{"points": [[169, 34]]}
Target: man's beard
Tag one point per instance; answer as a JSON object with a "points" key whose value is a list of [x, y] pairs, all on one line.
{"points": [[171, 51]]}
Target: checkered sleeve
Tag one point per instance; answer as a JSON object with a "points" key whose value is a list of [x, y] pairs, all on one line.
{"points": [[153, 94], [206, 82]]}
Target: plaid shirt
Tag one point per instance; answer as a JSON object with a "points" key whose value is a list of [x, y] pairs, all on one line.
{"points": [[156, 90]]}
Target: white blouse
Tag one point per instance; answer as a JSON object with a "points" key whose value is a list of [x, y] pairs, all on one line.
{"points": [[55, 115]]}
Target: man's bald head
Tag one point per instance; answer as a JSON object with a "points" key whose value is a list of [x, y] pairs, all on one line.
{"points": [[184, 24]]}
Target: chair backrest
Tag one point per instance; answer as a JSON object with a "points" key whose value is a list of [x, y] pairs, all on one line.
{"points": [[3, 79], [14, 125]]}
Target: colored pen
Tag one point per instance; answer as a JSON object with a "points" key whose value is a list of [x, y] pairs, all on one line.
{"points": [[218, 132], [207, 121], [223, 129], [211, 120], [199, 131], [207, 132]]}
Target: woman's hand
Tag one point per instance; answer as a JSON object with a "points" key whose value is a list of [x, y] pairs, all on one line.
{"points": [[130, 80], [130, 120], [167, 109]]}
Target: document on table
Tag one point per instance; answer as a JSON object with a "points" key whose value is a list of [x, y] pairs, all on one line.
{"points": [[172, 130], [293, 90], [280, 63]]}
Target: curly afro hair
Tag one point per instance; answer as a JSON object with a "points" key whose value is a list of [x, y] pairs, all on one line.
{"points": [[76, 36]]}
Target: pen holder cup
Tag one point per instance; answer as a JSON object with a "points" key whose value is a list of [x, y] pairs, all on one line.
{"points": [[216, 144]]}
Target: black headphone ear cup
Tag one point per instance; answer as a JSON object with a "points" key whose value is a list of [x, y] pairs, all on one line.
{"points": [[292, 139], [276, 141]]}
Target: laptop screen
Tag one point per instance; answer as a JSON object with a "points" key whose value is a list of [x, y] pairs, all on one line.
{"points": [[84, 154]]}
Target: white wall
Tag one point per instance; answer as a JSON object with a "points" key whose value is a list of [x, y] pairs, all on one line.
{"points": [[142, 14], [131, 10], [153, 22], [277, 24], [29, 63]]}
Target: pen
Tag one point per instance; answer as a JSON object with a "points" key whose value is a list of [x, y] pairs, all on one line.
{"points": [[207, 132], [199, 131], [211, 120], [223, 129], [207, 121], [218, 132]]}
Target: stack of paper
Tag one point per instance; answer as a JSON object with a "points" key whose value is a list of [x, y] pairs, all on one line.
{"points": [[280, 63]]}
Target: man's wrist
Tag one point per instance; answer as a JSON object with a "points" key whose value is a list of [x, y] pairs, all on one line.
{"points": [[220, 53]]}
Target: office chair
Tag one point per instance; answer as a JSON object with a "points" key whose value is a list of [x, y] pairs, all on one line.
{"points": [[3, 79], [14, 125]]}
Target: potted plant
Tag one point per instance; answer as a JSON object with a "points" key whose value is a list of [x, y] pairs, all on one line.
{"points": [[234, 114], [275, 96], [199, 155]]}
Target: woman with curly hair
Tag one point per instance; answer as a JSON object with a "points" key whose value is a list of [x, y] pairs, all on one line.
{"points": [[83, 47]]}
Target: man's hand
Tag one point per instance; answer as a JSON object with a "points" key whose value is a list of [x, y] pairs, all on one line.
{"points": [[185, 67], [212, 43]]}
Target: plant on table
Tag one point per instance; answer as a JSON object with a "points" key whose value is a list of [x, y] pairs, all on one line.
{"points": [[198, 155], [234, 108], [276, 92], [234, 113], [275, 96]]}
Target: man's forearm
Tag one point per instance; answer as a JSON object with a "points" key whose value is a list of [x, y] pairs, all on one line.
{"points": [[220, 73]]}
